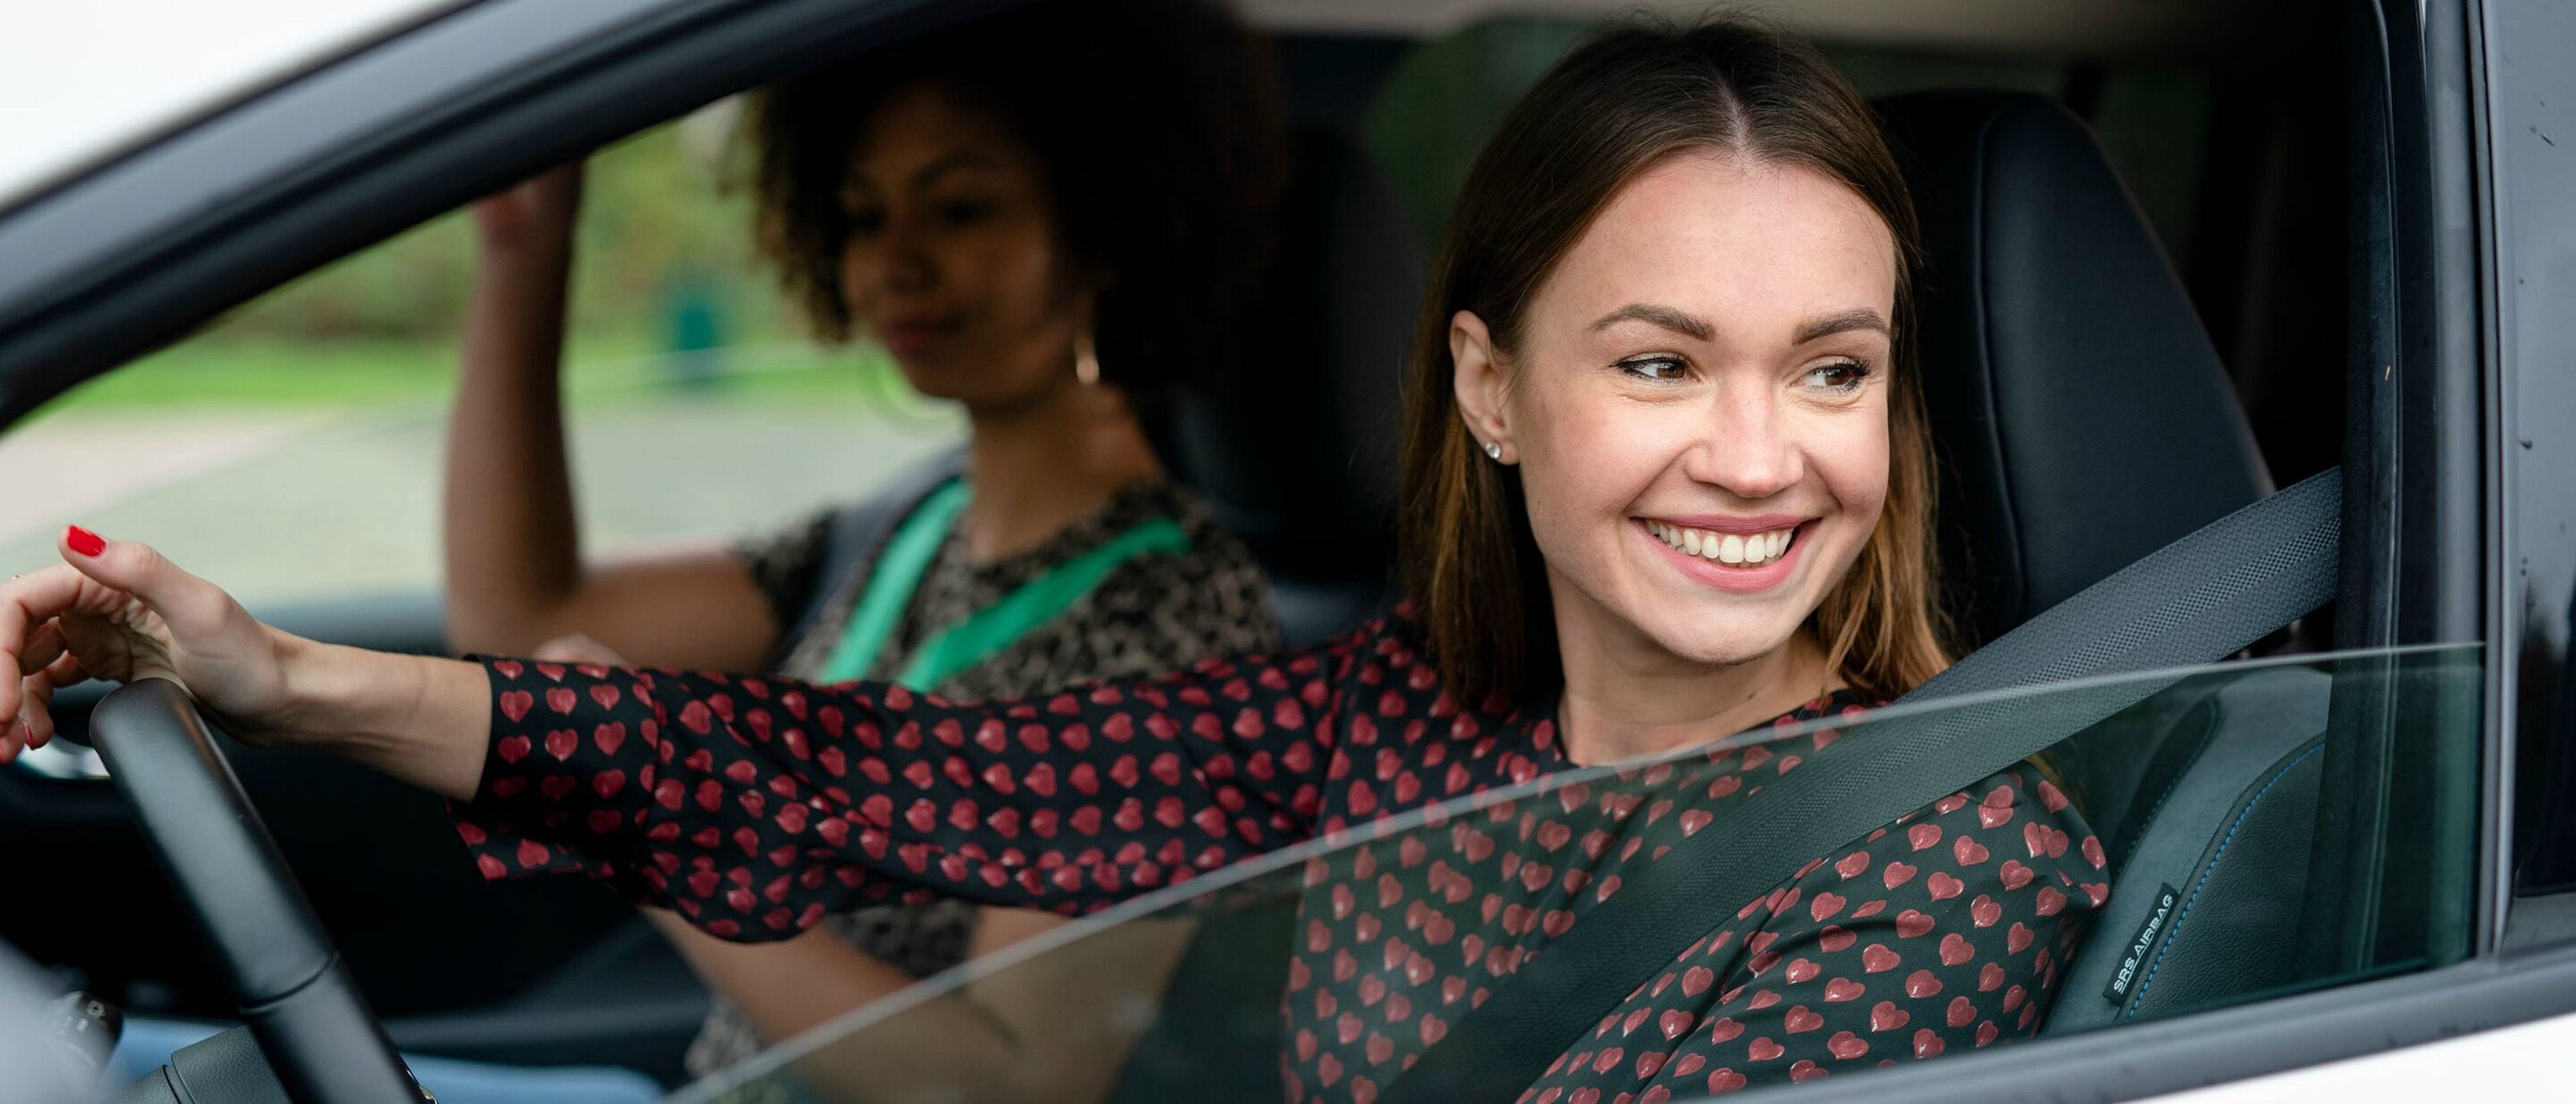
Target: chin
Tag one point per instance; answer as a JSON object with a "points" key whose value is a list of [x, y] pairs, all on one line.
{"points": [[1721, 642], [930, 375]]}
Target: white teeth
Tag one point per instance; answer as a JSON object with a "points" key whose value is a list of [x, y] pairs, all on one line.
{"points": [[1727, 548]]}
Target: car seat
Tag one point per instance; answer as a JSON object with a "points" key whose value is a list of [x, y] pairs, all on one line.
{"points": [[2082, 420], [1296, 451]]}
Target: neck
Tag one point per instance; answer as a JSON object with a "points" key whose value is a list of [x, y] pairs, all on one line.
{"points": [[1625, 696], [1042, 464]]}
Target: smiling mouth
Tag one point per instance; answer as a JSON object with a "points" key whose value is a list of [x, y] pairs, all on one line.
{"points": [[1732, 549]]}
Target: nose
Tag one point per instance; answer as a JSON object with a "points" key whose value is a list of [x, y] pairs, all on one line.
{"points": [[895, 262], [1743, 445]]}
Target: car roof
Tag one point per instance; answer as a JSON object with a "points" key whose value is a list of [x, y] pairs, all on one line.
{"points": [[96, 79], [272, 162], [2044, 26], [87, 81]]}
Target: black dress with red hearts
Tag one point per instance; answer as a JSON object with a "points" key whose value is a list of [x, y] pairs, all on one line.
{"points": [[755, 806]]}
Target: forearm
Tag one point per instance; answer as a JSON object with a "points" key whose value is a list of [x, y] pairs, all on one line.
{"points": [[1047, 1029], [787, 988], [420, 719], [512, 547]]}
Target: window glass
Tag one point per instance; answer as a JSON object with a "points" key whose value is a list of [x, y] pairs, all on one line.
{"points": [[2199, 807], [293, 448]]}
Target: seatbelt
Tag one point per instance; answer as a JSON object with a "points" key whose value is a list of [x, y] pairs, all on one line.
{"points": [[857, 534], [2195, 601], [892, 578], [1040, 600], [898, 570]]}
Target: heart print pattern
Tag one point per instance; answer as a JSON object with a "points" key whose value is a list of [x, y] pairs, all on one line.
{"points": [[754, 806]]}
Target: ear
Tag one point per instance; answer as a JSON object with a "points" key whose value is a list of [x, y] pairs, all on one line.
{"points": [[1478, 378]]}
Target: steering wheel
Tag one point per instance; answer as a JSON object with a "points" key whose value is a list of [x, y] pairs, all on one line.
{"points": [[287, 980]]}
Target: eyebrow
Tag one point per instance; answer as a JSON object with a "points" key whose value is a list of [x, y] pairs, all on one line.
{"points": [[1861, 318], [858, 182], [948, 163], [1666, 317]]}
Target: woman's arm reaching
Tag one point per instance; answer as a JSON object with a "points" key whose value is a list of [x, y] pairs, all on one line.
{"points": [[515, 574], [754, 806], [751, 806]]}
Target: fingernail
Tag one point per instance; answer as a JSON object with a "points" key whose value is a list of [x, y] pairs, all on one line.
{"points": [[83, 541]]}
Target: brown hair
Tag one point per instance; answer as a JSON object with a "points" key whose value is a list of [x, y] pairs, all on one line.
{"points": [[1630, 97], [1156, 129]]}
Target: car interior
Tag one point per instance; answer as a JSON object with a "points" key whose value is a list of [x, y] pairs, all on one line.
{"points": [[2137, 313]]}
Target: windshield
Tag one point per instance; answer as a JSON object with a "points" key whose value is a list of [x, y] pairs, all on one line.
{"points": [[1325, 970]]}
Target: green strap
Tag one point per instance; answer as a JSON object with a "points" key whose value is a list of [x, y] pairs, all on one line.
{"points": [[892, 580], [994, 627], [907, 557]]}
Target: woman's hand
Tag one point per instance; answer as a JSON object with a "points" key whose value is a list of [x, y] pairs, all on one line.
{"points": [[117, 610], [540, 209]]}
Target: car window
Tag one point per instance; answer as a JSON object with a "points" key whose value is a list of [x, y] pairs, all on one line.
{"points": [[293, 448], [2213, 801]]}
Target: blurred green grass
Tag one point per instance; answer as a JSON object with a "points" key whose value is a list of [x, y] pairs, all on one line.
{"points": [[278, 372]]}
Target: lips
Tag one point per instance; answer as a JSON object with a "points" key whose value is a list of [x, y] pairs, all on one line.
{"points": [[1748, 549], [917, 334], [1732, 554]]}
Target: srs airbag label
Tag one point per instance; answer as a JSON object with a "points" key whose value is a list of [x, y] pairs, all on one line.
{"points": [[2134, 960]]}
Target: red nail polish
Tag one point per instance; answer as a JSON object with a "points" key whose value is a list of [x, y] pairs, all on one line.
{"points": [[83, 541]]}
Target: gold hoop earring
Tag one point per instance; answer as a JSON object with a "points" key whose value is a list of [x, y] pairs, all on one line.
{"points": [[1086, 361]]}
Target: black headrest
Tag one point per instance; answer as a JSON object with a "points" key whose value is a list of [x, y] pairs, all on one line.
{"points": [[1297, 449], [2080, 412]]}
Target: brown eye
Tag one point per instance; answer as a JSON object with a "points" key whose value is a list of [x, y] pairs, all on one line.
{"points": [[964, 212], [1661, 369], [863, 222], [1841, 375]]}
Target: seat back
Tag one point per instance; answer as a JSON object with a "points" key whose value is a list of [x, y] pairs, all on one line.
{"points": [[2082, 420], [2079, 410], [1296, 453]]}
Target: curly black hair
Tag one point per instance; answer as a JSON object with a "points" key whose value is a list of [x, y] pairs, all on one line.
{"points": [[1156, 129]]}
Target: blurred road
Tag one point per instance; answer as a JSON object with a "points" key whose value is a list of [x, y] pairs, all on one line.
{"points": [[286, 506]]}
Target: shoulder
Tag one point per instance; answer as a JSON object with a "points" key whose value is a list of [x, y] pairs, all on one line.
{"points": [[799, 540], [783, 561]]}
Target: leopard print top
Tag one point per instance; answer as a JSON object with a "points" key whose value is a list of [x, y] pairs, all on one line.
{"points": [[1155, 613]]}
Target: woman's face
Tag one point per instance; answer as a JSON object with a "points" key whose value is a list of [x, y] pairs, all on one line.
{"points": [[1698, 405], [953, 258]]}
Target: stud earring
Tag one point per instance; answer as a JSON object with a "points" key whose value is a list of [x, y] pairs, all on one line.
{"points": [[1494, 451], [1086, 360]]}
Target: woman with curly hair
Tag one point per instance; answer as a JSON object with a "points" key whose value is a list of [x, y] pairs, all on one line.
{"points": [[1050, 218]]}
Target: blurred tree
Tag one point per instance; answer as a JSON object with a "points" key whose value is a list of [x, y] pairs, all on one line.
{"points": [[657, 216]]}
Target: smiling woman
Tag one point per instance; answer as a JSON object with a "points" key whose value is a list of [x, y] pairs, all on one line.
{"points": [[1671, 310], [1676, 329]]}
